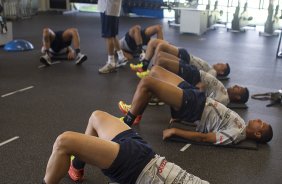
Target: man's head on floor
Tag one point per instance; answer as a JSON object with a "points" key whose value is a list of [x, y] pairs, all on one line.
{"points": [[238, 94], [259, 131], [222, 69]]}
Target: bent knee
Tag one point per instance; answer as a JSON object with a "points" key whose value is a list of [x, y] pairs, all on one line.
{"points": [[46, 31], [146, 82], [98, 117], [72, 30], [159, 27], [136, 28], [63, 141], [97, 114], [153, 42], [154, 70], [161, 47]]}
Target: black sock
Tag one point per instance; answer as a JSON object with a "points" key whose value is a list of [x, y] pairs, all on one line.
{"points": [[78, 164], [129, 118], [145, 64], [77, 51]]}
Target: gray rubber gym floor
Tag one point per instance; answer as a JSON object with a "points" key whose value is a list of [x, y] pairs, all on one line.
{"points": [[64, 95]]}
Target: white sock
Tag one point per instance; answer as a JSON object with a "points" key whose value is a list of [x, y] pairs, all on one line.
{"points": [[120, 54], [111, 59]]}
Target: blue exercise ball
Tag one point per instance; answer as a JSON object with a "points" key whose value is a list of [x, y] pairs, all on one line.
{"points": [[18, 45]]}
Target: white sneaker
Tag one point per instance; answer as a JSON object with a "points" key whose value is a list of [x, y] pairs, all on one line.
{"points": [[80, 58], [122, 62], [46, 60], [155, 101], [43, 50], [107, 68], [142, 56]]}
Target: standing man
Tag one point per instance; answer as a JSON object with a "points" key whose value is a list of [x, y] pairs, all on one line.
{"points": [[110, 11]]}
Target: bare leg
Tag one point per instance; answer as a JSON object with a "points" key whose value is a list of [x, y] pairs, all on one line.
{"points": [[166, 92], [165, 75], [72, 34], [135, 33], [100, 152], [167, 61], [48, 37], [104, 125], [168, 48], [152, 45], [110, 46], [155, 30], [116, 43]]}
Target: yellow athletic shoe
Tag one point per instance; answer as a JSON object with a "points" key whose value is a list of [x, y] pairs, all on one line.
{"points": [[124, 108], [135, 67], [142, 74], [121, 119]]}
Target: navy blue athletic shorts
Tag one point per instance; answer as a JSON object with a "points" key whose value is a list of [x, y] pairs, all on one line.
{"points": [[184, 55], [130, 42], [145, 38], [193, 103], [133, 156], [109, 25], [58, 43], [189, 73]]}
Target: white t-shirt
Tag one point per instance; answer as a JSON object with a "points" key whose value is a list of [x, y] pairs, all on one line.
{"points": [[123, 45], [214, 88], [228, 126], [110, 7], [202, 65]]}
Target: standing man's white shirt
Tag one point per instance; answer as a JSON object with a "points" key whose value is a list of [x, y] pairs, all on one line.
{"points": [[110, 7]]}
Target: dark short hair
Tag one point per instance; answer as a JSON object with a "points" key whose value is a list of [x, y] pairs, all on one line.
{"points": [[266, 136], [245, 96], [226, 71]]}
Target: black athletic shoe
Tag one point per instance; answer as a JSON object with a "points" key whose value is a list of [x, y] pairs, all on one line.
{"points": [[80, 58], [46, 60], [122, 62]]}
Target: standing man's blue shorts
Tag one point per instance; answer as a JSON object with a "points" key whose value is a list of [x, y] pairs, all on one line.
{"points": [[109, 25]]}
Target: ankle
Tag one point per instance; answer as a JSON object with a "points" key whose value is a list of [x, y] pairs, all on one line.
{"points": [[129, 118]]}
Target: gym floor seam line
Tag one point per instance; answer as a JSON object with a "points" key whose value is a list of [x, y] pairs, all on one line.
{"points": [[17, 91], [185, 147], [9, 140]]}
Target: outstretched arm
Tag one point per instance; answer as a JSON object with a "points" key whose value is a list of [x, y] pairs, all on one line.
{"points": [[193, 136]]}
